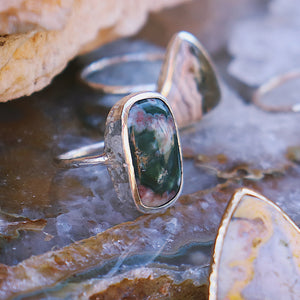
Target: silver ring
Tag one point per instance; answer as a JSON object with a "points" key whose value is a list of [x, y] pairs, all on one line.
{"points": [[106, 62], [272, 84], [141, 151], [187, 78], [83, 156]]}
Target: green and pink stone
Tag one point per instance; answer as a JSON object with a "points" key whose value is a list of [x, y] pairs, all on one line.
{"points": [[155, 151]]}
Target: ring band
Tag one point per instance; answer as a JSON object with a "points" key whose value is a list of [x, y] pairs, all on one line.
{"points": [[141, 150], [82, 156], [272, 84], [103, 63], [187, 78]]}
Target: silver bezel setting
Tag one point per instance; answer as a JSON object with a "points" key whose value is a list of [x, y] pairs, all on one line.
{"points": [[168, 71], [121, 111]]}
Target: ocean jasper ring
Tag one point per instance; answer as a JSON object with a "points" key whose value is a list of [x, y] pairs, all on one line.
{"points": [[141, 150]]}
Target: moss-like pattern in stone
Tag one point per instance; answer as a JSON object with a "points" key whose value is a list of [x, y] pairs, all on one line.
{"points": [[155, 151]]}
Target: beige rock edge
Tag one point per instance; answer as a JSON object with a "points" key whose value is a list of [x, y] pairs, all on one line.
{"points": [[29, 60]]}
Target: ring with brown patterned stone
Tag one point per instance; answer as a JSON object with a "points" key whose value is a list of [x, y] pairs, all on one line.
{"points": [[187, 77]]}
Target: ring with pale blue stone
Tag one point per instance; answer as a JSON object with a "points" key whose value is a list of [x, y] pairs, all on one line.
{"points": [[187, 77], [141, 151]]}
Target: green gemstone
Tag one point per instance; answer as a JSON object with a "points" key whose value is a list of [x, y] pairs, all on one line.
{"points": [[155, 152]]}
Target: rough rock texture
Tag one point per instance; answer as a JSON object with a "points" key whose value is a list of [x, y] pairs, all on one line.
{"points": [[24, 15], [55, 32]]}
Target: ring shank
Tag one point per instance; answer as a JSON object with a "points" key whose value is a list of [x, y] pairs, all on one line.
{"points": [[271, 85], [103, 63], [81, 156]]}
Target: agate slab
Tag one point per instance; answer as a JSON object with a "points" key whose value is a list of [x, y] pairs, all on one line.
{"points": [[257, 251]]}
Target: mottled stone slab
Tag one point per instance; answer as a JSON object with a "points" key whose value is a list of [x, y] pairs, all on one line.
{"points": [[154, 151], [256, 253]]}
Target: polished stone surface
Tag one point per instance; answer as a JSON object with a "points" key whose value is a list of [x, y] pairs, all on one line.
{"points": [[257, 252], [154, 151], [188, 79]]}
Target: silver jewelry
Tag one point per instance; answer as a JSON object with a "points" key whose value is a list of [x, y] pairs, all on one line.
{"points": [[141, 151], [141, 146], [187, 78], [269, 86]]}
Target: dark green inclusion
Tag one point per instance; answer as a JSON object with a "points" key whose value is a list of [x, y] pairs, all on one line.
{"points": [[155, 151]]}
